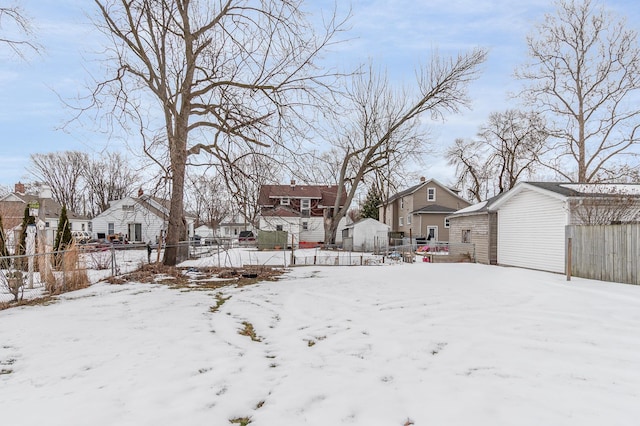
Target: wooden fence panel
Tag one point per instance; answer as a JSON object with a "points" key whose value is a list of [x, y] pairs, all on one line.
{"points": [[605, 252]]}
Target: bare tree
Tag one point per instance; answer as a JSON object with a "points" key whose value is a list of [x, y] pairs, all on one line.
{"points": [[584, 74], [508, 148], [107, 178], [209, 199], [16, 31], [63, 172], [223, 72], [472, 171], [384, 128], [606, 204]]}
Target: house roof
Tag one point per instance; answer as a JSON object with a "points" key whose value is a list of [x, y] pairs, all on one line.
{"points": [[325, 193], [564, 190], [434, 209], [280, 211], [478, 208], [418, 187], [51, 209]]}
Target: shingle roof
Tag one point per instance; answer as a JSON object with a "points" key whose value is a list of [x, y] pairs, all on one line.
{"points": [[325, 193], [433, 209]]}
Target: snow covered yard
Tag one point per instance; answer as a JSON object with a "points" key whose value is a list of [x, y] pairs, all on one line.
{"points": [[423, 344]]}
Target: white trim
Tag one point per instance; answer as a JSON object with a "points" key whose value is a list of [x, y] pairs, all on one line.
{"points": [[518, 189]]}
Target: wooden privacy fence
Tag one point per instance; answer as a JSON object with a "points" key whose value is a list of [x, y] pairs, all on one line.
{"points": [[605, 252]]}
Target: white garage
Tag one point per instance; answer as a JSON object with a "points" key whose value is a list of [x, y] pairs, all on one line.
{"points": [[531, 228]]}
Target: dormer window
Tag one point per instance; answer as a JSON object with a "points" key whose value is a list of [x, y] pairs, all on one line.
{"points": [[285, 201], [127, 207]]}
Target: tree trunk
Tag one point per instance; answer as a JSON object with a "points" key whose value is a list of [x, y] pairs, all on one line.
{"points": [[176, 227]]}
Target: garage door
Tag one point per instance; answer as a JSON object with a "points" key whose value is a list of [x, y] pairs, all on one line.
{"points": [[531, 229]]}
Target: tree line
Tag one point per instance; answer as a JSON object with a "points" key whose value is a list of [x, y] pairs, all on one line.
{"points": [[238, 96]]}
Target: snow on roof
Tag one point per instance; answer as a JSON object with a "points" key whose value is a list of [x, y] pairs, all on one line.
{"points": [[604, 188], [473, 208]]}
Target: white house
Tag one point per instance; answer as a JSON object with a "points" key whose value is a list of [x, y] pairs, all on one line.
{"points": [[365, 235], [142, 219], [531, 218]]}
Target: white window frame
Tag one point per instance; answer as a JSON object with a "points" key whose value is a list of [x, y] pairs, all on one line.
{"points": [[431, 194], [111, 228], [305, 225], [402, 203], [408, 219], [401, 221], [305, 207], [446, 222], [285, 201]]}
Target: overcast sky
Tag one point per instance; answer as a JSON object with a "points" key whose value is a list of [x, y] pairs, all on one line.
{"points": [[395, 34]]}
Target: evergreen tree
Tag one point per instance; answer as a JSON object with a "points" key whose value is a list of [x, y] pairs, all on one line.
{"points": [[4, 251], [63, 234], [370, 205], [27, 220]]}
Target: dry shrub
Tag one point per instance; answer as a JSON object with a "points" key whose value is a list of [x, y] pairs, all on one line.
{"points": [[46, 271], [73, 275]]}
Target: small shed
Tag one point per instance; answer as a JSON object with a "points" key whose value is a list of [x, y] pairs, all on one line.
{"points": [[365, 235], [474, 230]]}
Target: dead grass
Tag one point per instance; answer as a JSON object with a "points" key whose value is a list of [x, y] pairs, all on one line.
{"points": [[38, 301], [249, 331], [242, 421], [219, 302]]}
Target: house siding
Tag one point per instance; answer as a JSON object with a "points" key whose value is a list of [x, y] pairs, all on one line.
{"points": [[479, 226], [531, 230], [152, 225]]}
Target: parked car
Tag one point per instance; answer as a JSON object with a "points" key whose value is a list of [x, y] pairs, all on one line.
{"points": [[81, 237], [246, 237]]}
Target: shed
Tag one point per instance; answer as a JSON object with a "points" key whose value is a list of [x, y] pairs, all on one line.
{"points": [[365, 235], [475, 229]]}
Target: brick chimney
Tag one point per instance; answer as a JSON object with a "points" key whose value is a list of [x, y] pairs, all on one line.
{"points": [[293, 183], [423, 179], [19, 188], [140, 192]]}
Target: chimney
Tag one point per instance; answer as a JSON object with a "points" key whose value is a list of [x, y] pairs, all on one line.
{"points": [[19, 188], [140, 192], [423, 179], [45, 192], [293, 183]]}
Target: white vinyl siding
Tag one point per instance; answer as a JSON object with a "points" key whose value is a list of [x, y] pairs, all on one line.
{"points": [[531, 231]]}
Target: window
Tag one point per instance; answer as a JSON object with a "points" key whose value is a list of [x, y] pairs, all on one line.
{"points": [[431, 194], [305, 207], [82, 227], [402, 203], [278, 227], [305, 226], [127, 207], [401, 219], [111, 229], [285, 201], [46, 224], [408, 219], [446, 222], [466, 235]]}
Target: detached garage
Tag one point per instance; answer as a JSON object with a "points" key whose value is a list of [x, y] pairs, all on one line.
{"points": [[531, 228], [533, 215]]}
